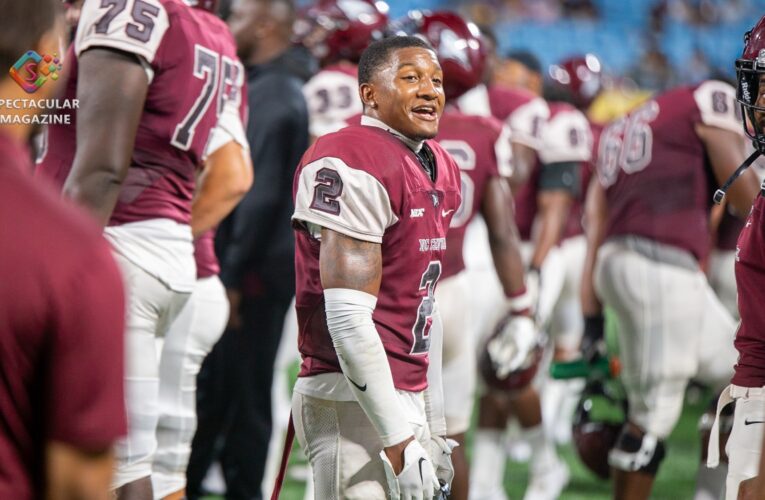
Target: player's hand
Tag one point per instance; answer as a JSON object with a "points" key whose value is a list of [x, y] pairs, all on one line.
{"points": [[417, 479], [593, 340], [441, 455], [511, 347], [751, 489]]}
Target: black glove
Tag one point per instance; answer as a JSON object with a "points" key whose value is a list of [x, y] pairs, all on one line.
{"points": [[593, 340]]}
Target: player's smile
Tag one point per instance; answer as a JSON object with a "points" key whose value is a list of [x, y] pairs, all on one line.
{"points": [[427, 112]]}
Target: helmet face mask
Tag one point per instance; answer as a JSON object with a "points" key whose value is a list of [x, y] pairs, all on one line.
{"points": [[750, 76], [750, 70]]}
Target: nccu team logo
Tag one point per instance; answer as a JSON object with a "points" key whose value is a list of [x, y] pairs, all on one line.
{"points": [[32, 70]]}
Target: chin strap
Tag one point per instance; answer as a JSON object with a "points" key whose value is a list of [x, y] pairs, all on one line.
{"points": [[720, 193]]}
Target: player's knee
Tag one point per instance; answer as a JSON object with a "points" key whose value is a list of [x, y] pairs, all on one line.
{"points": [[636, 451]]}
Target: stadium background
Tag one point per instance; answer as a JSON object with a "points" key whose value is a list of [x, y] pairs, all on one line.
{"points": [[647, 44]]}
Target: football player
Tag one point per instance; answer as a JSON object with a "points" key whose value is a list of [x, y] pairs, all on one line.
{"points": [[337, 32], [61, 303], [542, 206], [744, 448], [481, 147], [647, 233], [577, 80], [226, 178], [370, 241], [132, 162]]}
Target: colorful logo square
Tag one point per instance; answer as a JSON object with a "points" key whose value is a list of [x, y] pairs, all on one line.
{"points": [[32, 70]]}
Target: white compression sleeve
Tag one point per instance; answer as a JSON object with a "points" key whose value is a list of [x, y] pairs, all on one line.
{"points": [[434, 394], [364, 362]]}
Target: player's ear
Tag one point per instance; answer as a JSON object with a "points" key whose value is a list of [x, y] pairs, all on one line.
{"points": [[367, 94]]}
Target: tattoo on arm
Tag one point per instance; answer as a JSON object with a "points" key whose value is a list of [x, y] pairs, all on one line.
{"points": [[346, 262]]}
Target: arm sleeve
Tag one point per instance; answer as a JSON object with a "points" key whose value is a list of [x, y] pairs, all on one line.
{"points": [[86, 399], [363, 361], [276, 146], [434, 394], [134, 27], [350, 201], [718, 107]]}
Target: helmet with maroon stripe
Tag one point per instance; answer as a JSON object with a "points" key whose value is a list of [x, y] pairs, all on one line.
{"points": [[335, 30], [458, 44], [579, 77], [750, 69]]}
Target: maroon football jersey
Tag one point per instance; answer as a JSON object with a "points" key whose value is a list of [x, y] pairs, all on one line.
{"points": [[750, 281], [61, 329], [522, 111], [194, 72], [728, 231], [481, 148], [565, 138], [653, 166], [343, 183]]}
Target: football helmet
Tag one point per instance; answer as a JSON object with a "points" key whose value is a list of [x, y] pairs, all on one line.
{"points": [[210, 6], [579, 77], [510, 358], [458, 43], [598, 421], [750, 68], [341, 29]]}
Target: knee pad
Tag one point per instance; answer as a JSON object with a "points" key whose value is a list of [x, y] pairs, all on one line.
{"points": [[634, 453]]}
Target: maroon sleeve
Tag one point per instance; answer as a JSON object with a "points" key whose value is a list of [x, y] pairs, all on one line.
{"points": [[86, 406]]}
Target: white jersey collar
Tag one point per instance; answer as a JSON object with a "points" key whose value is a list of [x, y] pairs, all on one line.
{"points": [[368, 121]]}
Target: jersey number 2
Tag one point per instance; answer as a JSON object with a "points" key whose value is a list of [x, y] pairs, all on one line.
{"points": [[421, 328]]}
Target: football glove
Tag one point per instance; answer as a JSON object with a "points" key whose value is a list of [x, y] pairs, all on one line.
{"points": [[441, 455], [417, 480], [510, 349]]}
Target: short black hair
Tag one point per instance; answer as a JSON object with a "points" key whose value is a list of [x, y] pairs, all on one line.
{"points": [[378, 53], [22, 25], [527, 59]]}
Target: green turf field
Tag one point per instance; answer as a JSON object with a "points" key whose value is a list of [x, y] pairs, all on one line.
{"points": [[675, 481]]}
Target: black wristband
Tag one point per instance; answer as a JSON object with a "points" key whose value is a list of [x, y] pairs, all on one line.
{"points": [[594, 327]]}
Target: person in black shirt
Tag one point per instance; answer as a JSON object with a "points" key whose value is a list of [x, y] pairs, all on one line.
{"points": [[256, 249]]}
